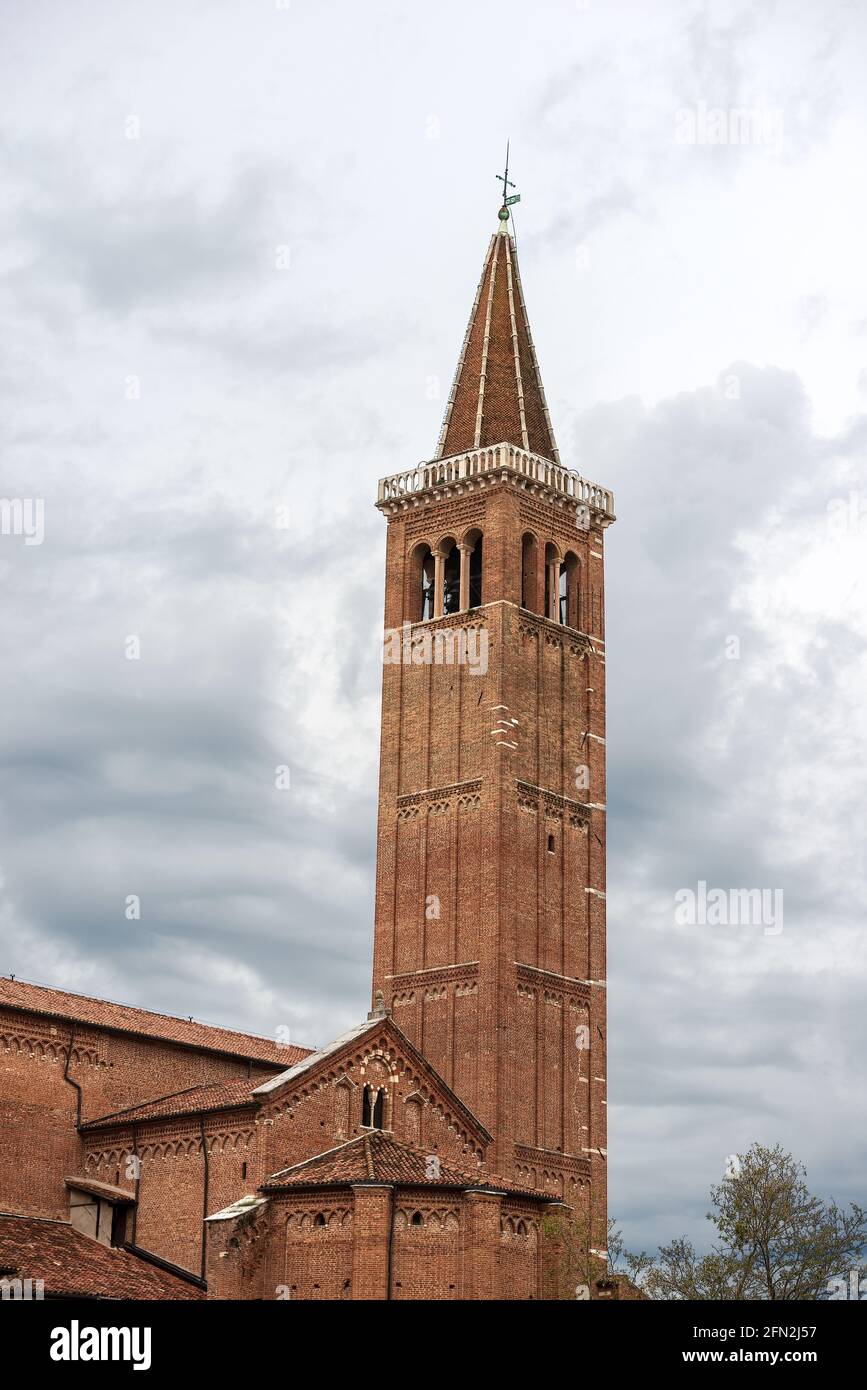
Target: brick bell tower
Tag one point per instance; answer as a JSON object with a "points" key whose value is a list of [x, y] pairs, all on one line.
{"points": [[490, 890]]}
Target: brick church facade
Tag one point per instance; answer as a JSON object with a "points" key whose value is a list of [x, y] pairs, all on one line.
{"points": [[453, 1144]]}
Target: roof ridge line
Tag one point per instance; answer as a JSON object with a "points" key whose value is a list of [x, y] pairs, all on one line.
{"points": [[138, 1008], [516, 348], [457, 376], [128, 1026], [535, 361], [480, 409]]}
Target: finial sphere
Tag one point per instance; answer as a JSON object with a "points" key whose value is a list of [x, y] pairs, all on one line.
{"points": [[503, 214]]}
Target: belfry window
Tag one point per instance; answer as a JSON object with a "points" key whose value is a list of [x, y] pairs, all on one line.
{"points": [[570, 591], [471, 569], [552, 583], [452, 581], [427, 589], [528, 572], [420, 595]]}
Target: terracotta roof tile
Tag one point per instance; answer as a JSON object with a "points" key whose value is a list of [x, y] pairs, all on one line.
{"points": [[72, 1264], [124, 1018], [377, 1156], [216, 1095], [497, 395]]}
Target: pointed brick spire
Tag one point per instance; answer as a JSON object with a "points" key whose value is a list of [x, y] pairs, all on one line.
{"points": [[497, 394]]}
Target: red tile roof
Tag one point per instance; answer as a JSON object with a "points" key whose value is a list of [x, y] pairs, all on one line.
{"points": [[379, 1157], [72, 1264], [216, 1095], [124, 1018], [106, 1190], [497, 395]]}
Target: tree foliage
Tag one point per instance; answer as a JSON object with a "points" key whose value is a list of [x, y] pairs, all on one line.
{"points": [[772, 1239]]}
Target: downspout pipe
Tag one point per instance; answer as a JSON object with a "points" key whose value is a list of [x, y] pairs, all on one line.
{"points": [[137, 1181], [68, 1079], [207, 1162]]}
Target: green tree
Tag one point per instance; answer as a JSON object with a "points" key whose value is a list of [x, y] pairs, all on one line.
{"points": [[773, 1239]]}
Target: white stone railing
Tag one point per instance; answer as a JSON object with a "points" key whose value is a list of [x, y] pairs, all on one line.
{"points": [[494, 459]]}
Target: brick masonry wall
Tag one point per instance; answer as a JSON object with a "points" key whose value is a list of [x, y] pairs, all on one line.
{"points": [[485, 940], [323, 1110], [39, 1145], [320, 1111], [423, 1244]]}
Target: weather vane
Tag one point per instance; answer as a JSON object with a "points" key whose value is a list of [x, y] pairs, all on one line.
{"points": [[507, 183]]}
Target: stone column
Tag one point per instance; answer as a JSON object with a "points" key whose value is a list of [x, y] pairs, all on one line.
{"points": [[439, 575], [466, 552], [553, 590]]}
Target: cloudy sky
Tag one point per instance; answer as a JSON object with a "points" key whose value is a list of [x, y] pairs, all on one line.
{"points": [[240, 243]]}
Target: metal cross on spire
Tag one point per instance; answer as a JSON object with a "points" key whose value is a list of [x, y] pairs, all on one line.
{"points": [[507, 183]]}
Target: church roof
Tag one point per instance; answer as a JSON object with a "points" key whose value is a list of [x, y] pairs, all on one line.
{"points": [[124, 1018], [378, 1157], [73, 1264], [311, 1059], [195, 1100], [497, 395]]}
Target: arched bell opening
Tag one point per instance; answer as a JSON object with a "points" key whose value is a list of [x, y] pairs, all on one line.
{"points": [[422, 570], [451, 572], [529, 572], [570, 591], [552, 582], [471, 569]]}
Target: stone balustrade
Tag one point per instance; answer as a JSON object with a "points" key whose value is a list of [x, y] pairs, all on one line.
{"points": [[496, 458]]}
